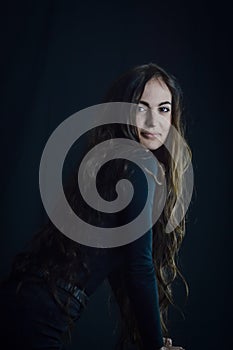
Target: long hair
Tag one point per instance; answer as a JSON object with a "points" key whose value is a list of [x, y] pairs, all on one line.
{"points": [[62, 257], [129, 88]]}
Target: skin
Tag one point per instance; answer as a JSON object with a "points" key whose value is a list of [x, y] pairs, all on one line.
{"points": [[154, 114], [168, 345]]}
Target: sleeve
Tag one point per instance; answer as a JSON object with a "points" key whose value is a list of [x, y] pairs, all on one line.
{"points": [[141, 282]]}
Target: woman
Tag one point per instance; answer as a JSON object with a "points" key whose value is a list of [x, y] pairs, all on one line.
{"points": [[51, 283]]}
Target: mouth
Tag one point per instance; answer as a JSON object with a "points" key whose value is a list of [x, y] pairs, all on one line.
{"points": [[150, 135]]}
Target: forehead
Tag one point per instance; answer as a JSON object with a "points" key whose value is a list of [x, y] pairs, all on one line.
{"points": [[156, 91]]}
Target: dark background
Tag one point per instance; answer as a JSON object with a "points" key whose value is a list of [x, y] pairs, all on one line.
{"points": [[59, 57]]}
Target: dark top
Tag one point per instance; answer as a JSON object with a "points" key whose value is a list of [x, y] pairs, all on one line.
{"points": [[133, 261]]}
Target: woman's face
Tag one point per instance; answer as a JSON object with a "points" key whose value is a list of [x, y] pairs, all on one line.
{"points": [[153, 118]]}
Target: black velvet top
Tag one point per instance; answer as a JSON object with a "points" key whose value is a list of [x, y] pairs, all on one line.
{"points": [[132, 261], [38, 322]]}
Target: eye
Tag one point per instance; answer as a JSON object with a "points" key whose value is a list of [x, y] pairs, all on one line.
{"points": [[142, 108], [164, 109]]}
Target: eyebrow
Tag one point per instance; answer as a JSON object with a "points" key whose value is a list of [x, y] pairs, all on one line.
{"points": [[160, 104]]}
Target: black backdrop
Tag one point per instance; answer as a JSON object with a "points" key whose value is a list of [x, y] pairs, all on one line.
{"points": [[59, 57]]}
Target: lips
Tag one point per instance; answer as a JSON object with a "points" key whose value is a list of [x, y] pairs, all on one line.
{"points": [[149, 134]]}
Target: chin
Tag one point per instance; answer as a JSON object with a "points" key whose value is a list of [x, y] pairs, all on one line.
{"points": [[151, 145]]}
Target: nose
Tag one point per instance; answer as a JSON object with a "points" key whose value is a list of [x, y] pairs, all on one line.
{"points": [[152, 119]]}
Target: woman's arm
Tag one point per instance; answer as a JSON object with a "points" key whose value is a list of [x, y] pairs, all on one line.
{"points": [[140, 277], [142, 289]]}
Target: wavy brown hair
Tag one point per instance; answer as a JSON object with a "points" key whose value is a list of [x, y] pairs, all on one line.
{"points": [[63, 258], [129, 88]]}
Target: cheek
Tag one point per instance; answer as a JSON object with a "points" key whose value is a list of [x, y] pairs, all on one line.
{"points": [[167, 123], [139, 122]]}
